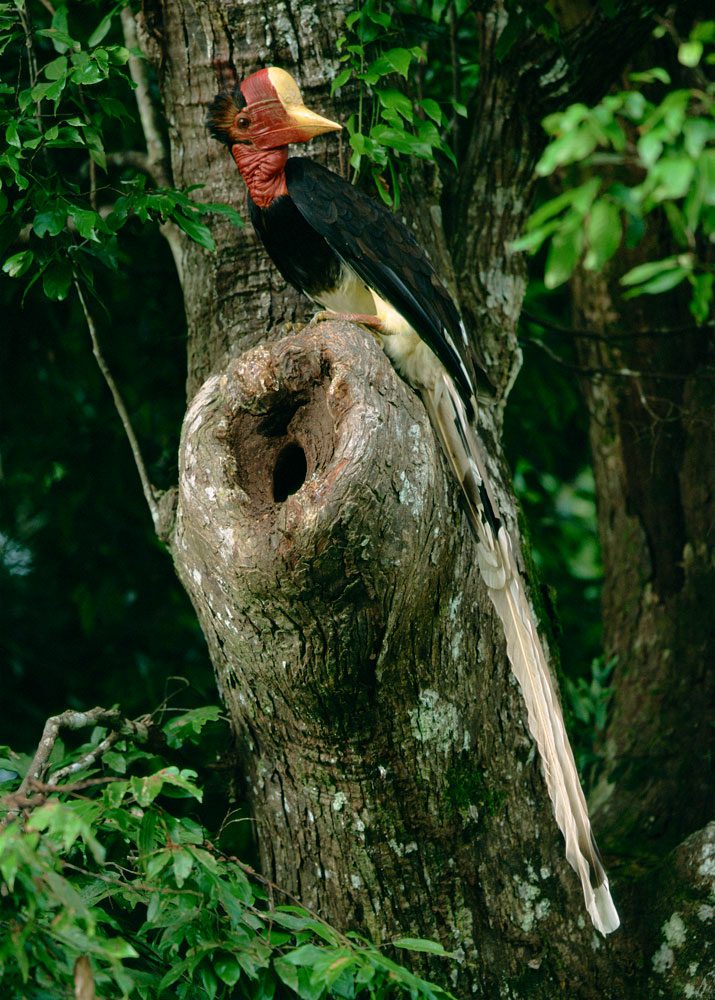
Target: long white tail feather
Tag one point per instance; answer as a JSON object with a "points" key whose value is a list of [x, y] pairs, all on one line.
{"points": [[500, 572]]}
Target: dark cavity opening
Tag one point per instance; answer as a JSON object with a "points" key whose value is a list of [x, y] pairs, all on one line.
{"points": [[289, 473]]}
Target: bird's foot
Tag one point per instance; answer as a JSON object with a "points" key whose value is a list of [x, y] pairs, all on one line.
{"points": [[373, 323], [289, 328]]}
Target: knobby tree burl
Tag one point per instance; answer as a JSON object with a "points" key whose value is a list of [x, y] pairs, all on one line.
{"points": [[383, 741]]}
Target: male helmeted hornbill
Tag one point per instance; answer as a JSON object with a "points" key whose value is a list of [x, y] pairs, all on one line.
{"points": [[355, 258]]}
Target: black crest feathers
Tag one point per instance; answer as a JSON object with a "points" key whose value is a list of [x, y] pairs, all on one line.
{"points": [[221, 115]]}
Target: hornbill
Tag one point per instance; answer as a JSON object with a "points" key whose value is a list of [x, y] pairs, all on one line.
{"points": [[355, 258]]}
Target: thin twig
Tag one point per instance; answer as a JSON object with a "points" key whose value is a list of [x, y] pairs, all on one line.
{"points": [[86, 760], [33, 790], [31, 59], [581, 334], [150, 494], [48, 787], [274, 887], [156, 150], [454, 57], [157, 156], [66, 720], [613, 372]]}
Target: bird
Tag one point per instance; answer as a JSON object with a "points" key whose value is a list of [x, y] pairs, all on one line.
{"points": [[354, 258]]}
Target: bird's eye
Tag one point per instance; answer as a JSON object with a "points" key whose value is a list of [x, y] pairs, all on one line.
{"points": [[243, 122]]}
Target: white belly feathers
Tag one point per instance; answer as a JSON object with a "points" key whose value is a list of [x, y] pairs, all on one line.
{"points": [[412, 358]]}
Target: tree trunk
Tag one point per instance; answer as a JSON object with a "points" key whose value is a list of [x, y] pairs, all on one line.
{"points": [[652, 426], [389, 769]]}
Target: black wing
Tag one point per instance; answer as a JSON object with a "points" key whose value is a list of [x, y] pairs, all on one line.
{"points": [[386, 256]]}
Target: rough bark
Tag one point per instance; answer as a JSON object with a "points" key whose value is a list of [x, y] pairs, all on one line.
{"points": [[392, 779], [389, 770], [200, 47], [653, 437], [649, 393]]}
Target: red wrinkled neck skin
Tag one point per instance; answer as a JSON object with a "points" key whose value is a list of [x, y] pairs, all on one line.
{"points": [[263, 170]]}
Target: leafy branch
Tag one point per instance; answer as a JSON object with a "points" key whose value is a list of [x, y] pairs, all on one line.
{"points": [[113, 867], [663, 155], [388, 123], [66, 202]]}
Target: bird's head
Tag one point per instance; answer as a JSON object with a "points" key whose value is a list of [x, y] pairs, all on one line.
{"points": [[266, 112]]}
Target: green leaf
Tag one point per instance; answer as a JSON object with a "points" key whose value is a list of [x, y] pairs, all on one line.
{"points": [[645, 271], [657, 73], [116, 761], [119, 949], [16, 265], [677, 222], [288, 973], [96, 147], [571, 147], [100, 31], [697, 132], [48, 91], [340, 80], [421, 944], [11, 135], [670, 177], [114, 793], [663, 283], [61, 40], [432, 110], [147, 788], [188, 725], [226, 210], [563, 256], [603, 234], [87, 70], [690, 53], [57, 69], [307, 954], [50, 222], [157, 862], [195, 230], [183, 862], [701, 302], [398, 60], [87, 222], [392, 98], [649, 148], [227, 969], [56, 280], [533, 240]]}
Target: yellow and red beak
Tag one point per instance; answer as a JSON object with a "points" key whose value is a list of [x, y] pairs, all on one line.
{"points": [[277, 113]]}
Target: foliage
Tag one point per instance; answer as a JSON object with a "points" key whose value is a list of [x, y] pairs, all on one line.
{"points": [[589, 700], [660, 156], [56, 220], [76, 201], [389, 123], [546, 442], [114, 866]]}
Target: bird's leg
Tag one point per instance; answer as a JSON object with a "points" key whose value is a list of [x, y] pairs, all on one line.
{"points": [[373, 323]]}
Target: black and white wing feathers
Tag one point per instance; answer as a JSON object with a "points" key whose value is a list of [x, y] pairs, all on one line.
{"points": [[380, 249]]}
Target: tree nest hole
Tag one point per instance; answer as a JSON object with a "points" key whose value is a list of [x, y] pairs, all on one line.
{"points": [[289, 472], [275, 452]]}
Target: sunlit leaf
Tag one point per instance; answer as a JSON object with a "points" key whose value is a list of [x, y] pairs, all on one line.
{"points": [[18, 264], [196, 231], [422, 945], [564, 253], [603, 233]]}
